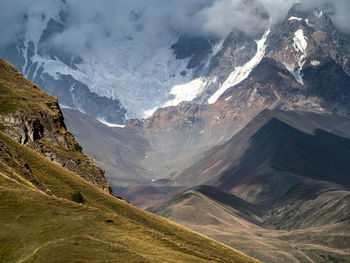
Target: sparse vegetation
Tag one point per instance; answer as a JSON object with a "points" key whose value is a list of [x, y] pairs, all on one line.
{"points": [[78, 148], [18, 93], [77, 197], [44, 228]]}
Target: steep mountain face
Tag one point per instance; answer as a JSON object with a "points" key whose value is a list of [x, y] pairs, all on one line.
{"points": [[57, 72], [297, 64], [34, 119], [306, 38], [272, 145]]}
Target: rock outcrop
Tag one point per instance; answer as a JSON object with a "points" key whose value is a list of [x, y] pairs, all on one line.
{"points": [[33, 118]]}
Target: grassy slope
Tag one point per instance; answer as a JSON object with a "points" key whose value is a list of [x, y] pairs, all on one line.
{"points": [[17, 92], [40, 228]]}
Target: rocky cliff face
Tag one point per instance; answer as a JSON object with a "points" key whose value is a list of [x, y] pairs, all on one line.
{"points": [[308, 37], [34, 119]]}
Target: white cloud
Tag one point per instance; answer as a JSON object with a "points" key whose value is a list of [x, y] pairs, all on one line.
{"points": [[98, 26]]}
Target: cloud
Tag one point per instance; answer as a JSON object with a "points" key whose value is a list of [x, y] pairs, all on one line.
{"points": [[95, 26], [11, 20], [338, 10]]}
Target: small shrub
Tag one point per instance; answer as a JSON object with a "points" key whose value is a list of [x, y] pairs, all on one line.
{"points": [[78, 197], [78, 148]]}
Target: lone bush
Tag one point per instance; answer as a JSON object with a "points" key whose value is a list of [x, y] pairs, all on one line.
{"points": [[78, 197], [78, 148]]}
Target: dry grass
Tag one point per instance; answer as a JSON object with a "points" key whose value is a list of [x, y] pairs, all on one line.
{"points": [[18, 93], [37, 227], [223, 223]]}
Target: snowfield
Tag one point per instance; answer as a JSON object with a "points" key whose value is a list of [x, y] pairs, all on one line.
{"points": [[242, 72]]}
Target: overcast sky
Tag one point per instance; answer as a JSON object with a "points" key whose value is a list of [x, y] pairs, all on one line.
{"points": [[94, 25]]}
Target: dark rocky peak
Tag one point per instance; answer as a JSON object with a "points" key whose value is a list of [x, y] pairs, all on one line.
{"points": [[53, 27], [46, 48], [298, 10], [317, 18], [237, 49], [195, 48], [328, 81], [268, 70], [308, 36]]}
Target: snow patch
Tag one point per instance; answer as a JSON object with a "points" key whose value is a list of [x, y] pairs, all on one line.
{"points": [[186, 92], [36, 71], [300, 46], [25, 52], [300, 41], [294, 18], [308, 22], [228, 98], [319, 13], [216, 48], [315, 62], [242, 72], [112, 125], [149, 113], [62, 106]]}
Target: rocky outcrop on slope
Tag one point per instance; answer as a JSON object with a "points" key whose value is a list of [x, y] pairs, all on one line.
{"points": [[34, 119]]}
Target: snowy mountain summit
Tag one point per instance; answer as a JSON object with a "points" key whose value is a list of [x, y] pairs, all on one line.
{"points": [[116, 76]]}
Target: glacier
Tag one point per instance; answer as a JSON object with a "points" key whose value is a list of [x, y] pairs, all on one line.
{"points": [[140, 77]]}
